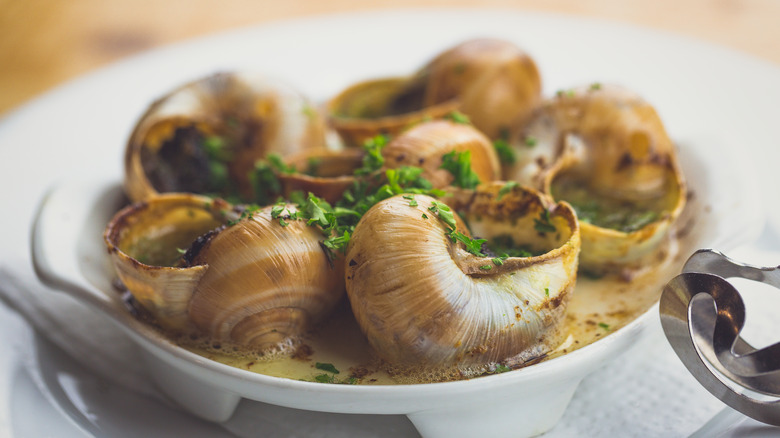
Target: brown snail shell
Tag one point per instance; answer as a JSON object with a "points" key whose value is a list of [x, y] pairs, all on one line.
{"points": [[496, 83], [425, 144], [423, 300], [610, 147], [374, 107], [244, 116], [493, 82], [249, 282], [323, 172]]}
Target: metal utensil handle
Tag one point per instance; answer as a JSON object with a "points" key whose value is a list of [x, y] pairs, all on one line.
{"points": [[677, 309], [740, 360], [714, 262]]}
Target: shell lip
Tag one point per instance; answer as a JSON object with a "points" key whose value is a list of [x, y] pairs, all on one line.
{"points": [[343, 121], [675, 184], [123, 219]]}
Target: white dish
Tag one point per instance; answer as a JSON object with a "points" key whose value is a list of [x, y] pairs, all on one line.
{"points": [[678, 76], [69, 255]]}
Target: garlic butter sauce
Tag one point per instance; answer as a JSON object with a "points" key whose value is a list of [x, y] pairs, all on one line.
{"points": [[599, 307]]}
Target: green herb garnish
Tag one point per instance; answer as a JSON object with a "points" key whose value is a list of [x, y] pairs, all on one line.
{"points": [[506, 188], [500, 369], [444, 212], [325, 378], [543, 224], [329, 367], [458, 117], [459, 165], [506, 154]]}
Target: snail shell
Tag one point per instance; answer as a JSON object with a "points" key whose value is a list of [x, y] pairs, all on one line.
{"points": [[379, 106], [425, 144], [495, 82], [423, 300], [244, 116], [250, 283], [492, 81], [323, 172], [604, 148]]}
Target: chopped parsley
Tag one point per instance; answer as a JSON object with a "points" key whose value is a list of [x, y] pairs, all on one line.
{"points": [[543, 223], [459, 165], [530, 141], [604, 325], [325, 378], [486, 267], [444, 212], [474, 246], [329, 367], [505, 245], [265, 184], [373, 160], [500, 369], [458, 117], [506, 188], [498, 261], [504, 151], [246, 213]]}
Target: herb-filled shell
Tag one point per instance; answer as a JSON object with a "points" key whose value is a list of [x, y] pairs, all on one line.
{"points": [[605, 150], [236, 277], [205, 136]]}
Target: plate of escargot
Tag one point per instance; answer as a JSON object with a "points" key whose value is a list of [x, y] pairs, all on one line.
{"points": [[428, 244]]}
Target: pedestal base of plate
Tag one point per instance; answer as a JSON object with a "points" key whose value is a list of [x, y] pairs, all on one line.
{"points": [[510, 418], [201, 399]]}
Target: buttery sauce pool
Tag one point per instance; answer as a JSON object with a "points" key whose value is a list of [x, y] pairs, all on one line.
{"points": [[597, 308]]}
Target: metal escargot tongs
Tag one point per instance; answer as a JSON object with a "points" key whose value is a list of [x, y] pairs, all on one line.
{"points": [[707, 339]]}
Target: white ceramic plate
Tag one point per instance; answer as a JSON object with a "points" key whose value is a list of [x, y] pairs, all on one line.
{"points": [[710, 98]]}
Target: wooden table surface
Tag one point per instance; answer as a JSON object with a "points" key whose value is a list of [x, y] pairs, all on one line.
{"points": [[46, 42]]}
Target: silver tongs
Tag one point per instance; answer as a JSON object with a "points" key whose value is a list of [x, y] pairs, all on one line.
{"points": [[702, 316]]}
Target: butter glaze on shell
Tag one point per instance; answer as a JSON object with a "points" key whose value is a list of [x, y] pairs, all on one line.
{"points": [[424, 301], [255, 284], [255, 114]]}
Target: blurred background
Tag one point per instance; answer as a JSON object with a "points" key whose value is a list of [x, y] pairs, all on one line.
{"points": [[46, 42]]}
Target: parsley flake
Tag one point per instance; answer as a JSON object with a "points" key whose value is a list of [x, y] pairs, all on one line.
{"points": [[473, 246], [458, 117], [329, 367], [543, 223], [459, 165], [506, 188], [500, 369], [506, 155]]}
